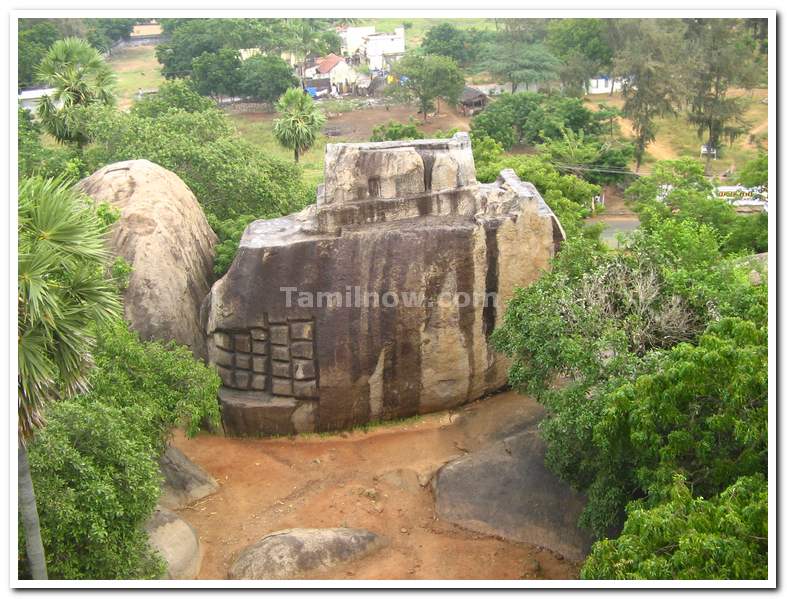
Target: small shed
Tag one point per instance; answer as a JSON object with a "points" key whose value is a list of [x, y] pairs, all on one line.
{"points": [[472, 100]]}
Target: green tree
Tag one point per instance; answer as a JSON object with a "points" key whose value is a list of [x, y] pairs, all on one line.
{"points": [[447, 40], [80, 77], [582, 46], [62, 293], [722, 538], [755, 172], [299, 122], [718, 59], [392, 130], [520, 64], [427, 77], [265, 78], [650, 50], [217, 74], [596, 160], [35, 38], [174, 94], [305, 37]]}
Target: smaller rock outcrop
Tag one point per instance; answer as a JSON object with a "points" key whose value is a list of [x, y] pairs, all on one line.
{"points": [[505, 490], [303, 552], [176, 541], [162, 232], [184, 481]]}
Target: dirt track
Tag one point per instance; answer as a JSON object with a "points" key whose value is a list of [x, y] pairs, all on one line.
{"points": [[377, 480]]}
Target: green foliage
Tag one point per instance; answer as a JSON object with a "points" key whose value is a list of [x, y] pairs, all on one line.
{"points": [[176, 94], [80, 78], [392, 130], [217, 74], [265, 78], [35, 38], [594, 340], [35, 159], [428, 77], [723, 538], [96, 479], [95, 464], [755, 172], [228, 175], [519, 63], [567, 195], [447, 40], [229, 232], [62, 291], [121, 273], [677, 189], [595, 160], [299, 121], [529, 118], [582, 45]]}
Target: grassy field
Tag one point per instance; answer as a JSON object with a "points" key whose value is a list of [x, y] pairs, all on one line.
{"points": [[135, 68]]}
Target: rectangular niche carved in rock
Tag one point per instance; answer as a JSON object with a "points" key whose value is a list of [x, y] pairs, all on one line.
{"points": [[277, 359]]}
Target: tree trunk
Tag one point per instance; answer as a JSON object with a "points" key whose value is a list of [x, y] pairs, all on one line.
{"points": [[297, 156], [437, 112], [612, 89], [27, 508]]}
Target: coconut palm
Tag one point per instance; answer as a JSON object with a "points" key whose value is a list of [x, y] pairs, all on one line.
{"points": [[80, 77], [299, 121], [62, 296]]}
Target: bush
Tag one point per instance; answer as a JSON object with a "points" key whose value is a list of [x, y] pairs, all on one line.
{"points": [[722, 538], [95, 463], [177, 94], [755, 172], [594, 341], [229, 176], [49, 162], [392, 131], [96, 480]]}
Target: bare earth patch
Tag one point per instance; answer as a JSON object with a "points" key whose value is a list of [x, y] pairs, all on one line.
{"points": [[378, 480]]}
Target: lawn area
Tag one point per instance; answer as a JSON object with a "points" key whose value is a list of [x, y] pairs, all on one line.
{"points": [[257, 128], [415, 33], [135, 68]]}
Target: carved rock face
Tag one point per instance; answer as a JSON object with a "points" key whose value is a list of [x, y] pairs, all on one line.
{"points": [[366, 307]]}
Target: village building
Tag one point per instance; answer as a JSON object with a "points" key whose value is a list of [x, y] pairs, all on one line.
{"points": [[29, 98], [472, 101], [381, 50], [353, 38], [335, 69]]}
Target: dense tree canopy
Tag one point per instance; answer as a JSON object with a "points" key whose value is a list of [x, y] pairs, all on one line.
{"points": [[427, 77]]}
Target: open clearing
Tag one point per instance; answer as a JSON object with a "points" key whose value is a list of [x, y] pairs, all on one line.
{"points": [[376, 479], [135, 68], [675, 137], [350, 126]]}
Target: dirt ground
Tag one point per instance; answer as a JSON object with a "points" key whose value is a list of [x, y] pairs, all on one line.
{"points": [[357, 125], [376, 479]]}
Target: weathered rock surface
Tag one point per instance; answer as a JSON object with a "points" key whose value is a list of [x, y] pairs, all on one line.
{"points": [[162, 232], [176, 541], [184, 481], [505, 490], [302, 552], [379, 301]]}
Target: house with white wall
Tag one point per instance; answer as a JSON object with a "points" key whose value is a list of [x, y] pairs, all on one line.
{"points": [[353, 38], [383, 49], [334, 68]]}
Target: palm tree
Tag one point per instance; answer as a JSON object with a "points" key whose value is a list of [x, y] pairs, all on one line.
{"points": [[80, 77], [299, 121], [62, 296]]}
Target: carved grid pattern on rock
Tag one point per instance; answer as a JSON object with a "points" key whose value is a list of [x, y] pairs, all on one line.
{"points": [[277, 358]]}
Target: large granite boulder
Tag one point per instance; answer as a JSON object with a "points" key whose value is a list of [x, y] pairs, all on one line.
{"points": [[162, 232], [176, 541], [505, 490], [379, 301], [184, 481], [301, 552]]}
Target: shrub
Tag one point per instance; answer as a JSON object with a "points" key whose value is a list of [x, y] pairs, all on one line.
{"points": [[96, 480], [392, 130], [725, 537], [755, 172], [95, 463]]}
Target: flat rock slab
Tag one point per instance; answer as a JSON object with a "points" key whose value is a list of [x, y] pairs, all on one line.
{"points": [[300, 552], [176, 541], [184, 481], [505, 490]]}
